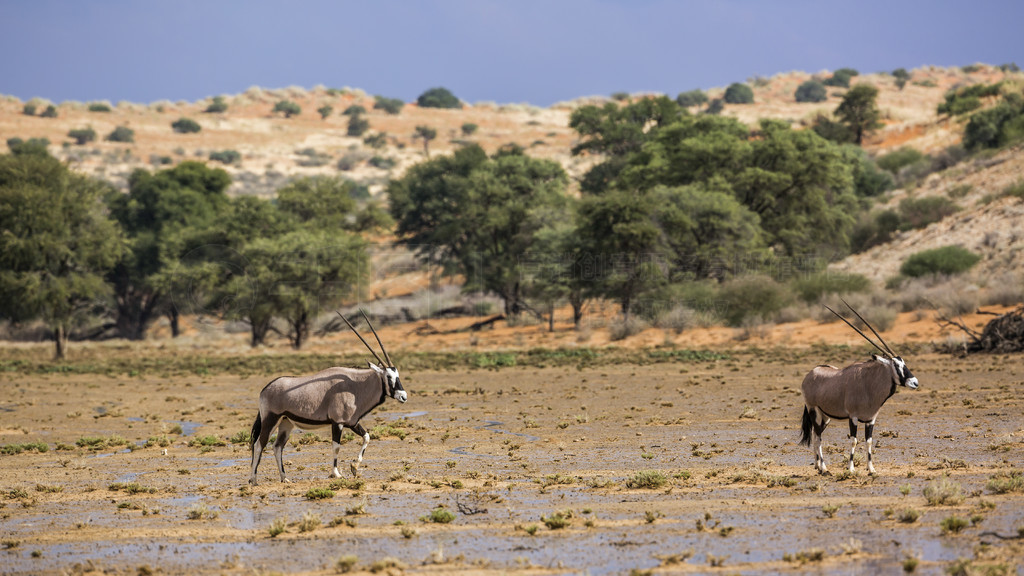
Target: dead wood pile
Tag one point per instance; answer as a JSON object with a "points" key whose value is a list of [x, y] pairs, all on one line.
{"points": [[1003, 334]]}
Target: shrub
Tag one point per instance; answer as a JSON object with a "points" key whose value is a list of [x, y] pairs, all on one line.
{"points": [[558, 520], [953, 524], [438, 98], [185, 126], [967, 99], [325, 111], [946, 260], [469, 128], [944, 491], [877, 228], [376, 141], [995, 127], [715, 107], [217, 106], [99, 107], [121, 134], [226, 156], [739, 93], [354, 110], [288, 108], [357, 125], [691, 98], [841, 77], [392, 106], [319, 493], [439, 515], [811, 91], [647, 479], [50, 112], [753, 296], [920, 212], [626, 327], [82, 135], [812, 288], [1006, 482], [277, 527], [899, 158], [382, 162], [29, 109]]}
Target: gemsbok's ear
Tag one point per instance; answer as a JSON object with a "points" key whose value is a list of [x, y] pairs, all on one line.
{"points": [[376, 368]]}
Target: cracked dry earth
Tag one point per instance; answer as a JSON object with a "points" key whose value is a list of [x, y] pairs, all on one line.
{"points": [[686, 467]]}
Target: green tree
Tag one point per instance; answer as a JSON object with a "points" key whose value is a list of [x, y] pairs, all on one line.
{"points": [[841, 78], [438, 98], [217, 106], [157, 209], [425, 133], [325, 111], [948, 260], [99, 107], [902, 76], [121, 134], [859, 111], [29, 109], [50, 112], [354, 110], [691, 98], [299, 275], [502, 201], [620, 241], [357, 125], [739, 93], [469, 128], [391, 106], [82, 135], [30, 146], [288, 108], [56, 245], [811, 91], [322, 201], [185, 126], [704, 228]]}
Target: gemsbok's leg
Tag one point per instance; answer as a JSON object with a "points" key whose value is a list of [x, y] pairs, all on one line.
{"points": [[360, 431], [853, 437], [869, 431], [336, 440], [820, 423], [283, 431], [266, 427]]}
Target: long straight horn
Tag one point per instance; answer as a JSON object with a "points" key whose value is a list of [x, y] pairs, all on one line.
{"points": [[365, 343], [382, 349], [873, 331], [872, 342]]}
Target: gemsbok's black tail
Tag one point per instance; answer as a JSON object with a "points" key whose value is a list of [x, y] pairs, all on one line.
{"points": [[805, 428], [257, 427]]}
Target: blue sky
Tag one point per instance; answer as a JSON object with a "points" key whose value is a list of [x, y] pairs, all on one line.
{"points": [[540, 52]]}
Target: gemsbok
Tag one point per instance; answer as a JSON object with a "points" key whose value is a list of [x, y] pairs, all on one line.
{"points": [[335, 397], [856, 392]]}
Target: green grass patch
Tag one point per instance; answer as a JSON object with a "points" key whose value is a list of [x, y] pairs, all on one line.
{"points": [[202, 441], [651, 479], [13, 449], [319, 493]]}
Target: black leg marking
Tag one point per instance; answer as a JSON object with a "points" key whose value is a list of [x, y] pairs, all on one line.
{"points": [[853, 428]]}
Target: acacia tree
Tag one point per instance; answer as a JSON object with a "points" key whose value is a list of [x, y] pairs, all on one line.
{"points": [[155, 214], [56, 244], [477, 215], [859, 111], [425, 133], [296, 276]]}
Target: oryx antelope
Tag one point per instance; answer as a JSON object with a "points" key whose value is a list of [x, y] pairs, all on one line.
{"points": [[335, 397], [856, 392]]}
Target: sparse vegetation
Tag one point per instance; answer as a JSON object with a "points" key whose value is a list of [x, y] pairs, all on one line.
{"points": [[651, 479], [439, 515], [949, 260], [944, 491]]}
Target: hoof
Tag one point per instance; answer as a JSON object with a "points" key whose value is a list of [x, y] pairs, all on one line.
{"points": [[252, 481], [355, 470]]}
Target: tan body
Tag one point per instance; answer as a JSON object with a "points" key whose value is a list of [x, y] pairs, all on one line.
{"points": [[857, 393], [336, 398]]}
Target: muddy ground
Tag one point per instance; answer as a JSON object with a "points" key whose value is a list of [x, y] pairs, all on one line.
{"points": [[130, 483]]}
